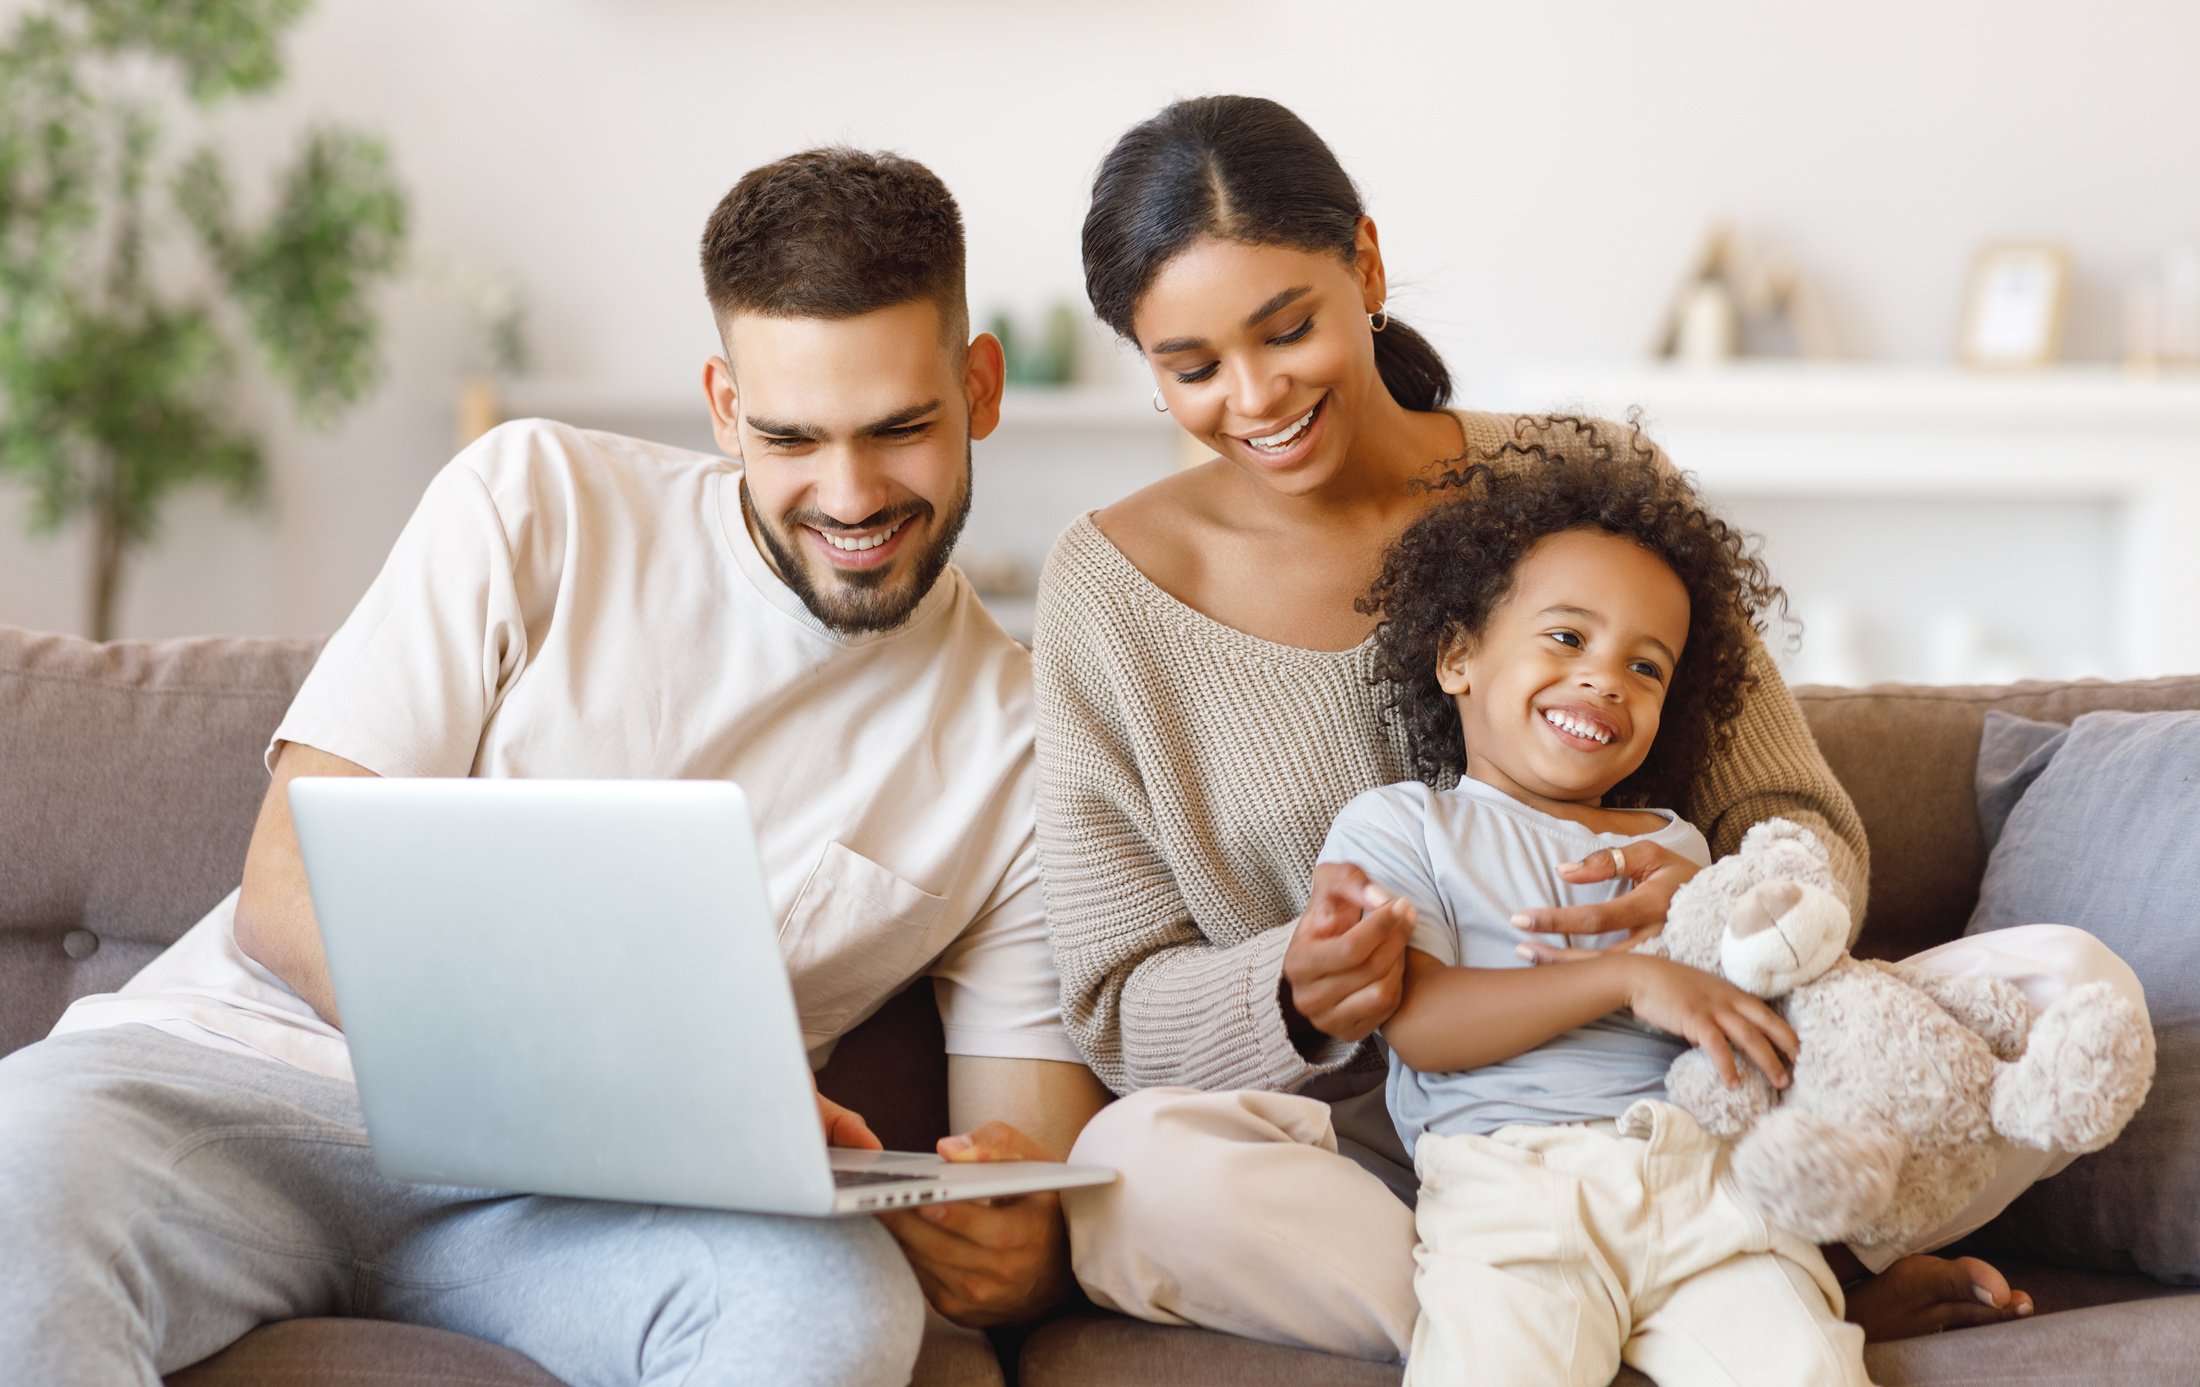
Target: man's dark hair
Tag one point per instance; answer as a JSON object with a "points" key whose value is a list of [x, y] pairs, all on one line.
{"points": [[836, 233], [1446, 575]]}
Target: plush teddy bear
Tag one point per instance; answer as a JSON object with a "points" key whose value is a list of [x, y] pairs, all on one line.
{"points": [[1908, 1081]]}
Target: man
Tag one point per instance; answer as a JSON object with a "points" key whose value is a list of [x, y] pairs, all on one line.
{"points": [[183, 1160]]}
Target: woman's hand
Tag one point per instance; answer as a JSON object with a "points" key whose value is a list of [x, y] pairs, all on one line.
{"points": [[1713, 1015], [1345, 968], [1655, 871]]}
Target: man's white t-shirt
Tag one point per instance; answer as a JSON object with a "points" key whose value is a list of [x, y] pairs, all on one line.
{"points": [[574, 604]]}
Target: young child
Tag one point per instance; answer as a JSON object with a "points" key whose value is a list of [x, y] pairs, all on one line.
{"points": [[1569, 636]]}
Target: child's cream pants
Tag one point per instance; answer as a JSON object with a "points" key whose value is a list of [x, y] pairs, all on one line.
{"points": [[1550, 1254], [1236, 1211]]}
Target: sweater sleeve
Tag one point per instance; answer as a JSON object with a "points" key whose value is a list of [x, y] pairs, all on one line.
{"points": [[1772, 768], [1147, 995]]}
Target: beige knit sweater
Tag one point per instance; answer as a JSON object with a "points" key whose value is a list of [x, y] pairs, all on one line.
{"points": [[1188, 773]]}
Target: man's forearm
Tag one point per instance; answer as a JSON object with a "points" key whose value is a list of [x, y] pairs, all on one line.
{"points": [[299, 963], [1049, 1101], [276, 927]]}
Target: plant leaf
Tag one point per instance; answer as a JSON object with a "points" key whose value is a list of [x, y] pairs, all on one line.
{"points": [[223, 46], [305, 278]]}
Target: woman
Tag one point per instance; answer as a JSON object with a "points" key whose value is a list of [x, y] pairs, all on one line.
{"points": [[1206, 706]]}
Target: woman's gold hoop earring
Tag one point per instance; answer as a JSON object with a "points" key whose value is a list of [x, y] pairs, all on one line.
{"points": [[1159, 406], [1378, 320]]}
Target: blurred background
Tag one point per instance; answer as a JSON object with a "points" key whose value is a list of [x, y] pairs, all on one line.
{"points": [[1913, 288]]}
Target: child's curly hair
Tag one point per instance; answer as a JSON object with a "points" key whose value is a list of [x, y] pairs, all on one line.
{"points": [[1448, 572]]}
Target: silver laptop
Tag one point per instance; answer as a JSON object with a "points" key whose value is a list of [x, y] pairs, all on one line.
{"points": [[575, 988]]}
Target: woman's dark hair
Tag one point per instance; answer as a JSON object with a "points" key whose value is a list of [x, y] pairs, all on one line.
{"points": [[1241, 168], [1448, 572]]}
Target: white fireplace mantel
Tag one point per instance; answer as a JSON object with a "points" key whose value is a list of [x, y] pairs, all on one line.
{"points": [[2088, 436], [2093, 452]]}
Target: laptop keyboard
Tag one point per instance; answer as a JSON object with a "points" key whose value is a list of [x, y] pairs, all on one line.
{"points": [[849, 1179]]}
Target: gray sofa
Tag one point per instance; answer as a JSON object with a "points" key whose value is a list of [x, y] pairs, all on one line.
{"points": [[130, 774]]}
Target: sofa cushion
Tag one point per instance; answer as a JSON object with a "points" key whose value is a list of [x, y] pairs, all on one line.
{"points": [[2093, 823], [1906, 754], [2096, 828], [2135, 1343], [130, 775], [892, 1069], [2012, 751]]}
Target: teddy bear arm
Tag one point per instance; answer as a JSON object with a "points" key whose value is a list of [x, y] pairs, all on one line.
{"points": [[1991, 1007], [1695, 1085]]}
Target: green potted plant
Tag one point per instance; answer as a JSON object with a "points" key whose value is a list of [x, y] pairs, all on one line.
{"points": [[117, 384]]}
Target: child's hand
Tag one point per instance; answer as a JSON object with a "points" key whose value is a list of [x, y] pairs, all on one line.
{"points": [[1712, 1014], [1344, 969]]}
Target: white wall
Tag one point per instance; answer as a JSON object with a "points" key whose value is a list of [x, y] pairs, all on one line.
{"points": [[1541, 173]]}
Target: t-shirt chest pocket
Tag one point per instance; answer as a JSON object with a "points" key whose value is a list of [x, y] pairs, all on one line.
{"points": [[855, 934]]}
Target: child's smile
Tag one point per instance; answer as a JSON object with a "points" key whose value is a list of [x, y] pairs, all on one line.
{"points": [[1559, 699], [1582, 727]]}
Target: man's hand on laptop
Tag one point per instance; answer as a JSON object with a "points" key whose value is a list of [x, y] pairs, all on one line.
{"points": [[845, 1126], [988, 1261]]}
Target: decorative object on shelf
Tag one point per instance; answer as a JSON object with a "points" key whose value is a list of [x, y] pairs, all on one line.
{"points": [[2162, 313], [1704, 323], [497, 349], [1060, 346], [1051, 359], [1782, 314], [1708, 326], [116, 387], [2013, 312], [1735, 304], [997, 574]]}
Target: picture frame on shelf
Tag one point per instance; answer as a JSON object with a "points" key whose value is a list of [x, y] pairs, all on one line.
{"points": [[2013, 308]]}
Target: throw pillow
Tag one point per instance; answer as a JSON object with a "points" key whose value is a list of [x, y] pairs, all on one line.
{"points": [[2098, 825]]}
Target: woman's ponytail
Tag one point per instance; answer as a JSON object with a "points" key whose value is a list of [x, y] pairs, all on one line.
{"points": [[1410, 367]]}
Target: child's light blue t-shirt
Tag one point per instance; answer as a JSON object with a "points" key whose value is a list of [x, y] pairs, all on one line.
{"points": [[1468, 858]]}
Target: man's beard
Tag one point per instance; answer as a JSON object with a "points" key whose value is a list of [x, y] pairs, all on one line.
{"points": [[866, 599]]}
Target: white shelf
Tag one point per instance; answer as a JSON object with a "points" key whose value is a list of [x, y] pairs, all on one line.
{"points": [[1919, 396], [1794, 429], [1062, 408], [1786, 436], [1800, 432], [1790, 395], [1081, 407]]}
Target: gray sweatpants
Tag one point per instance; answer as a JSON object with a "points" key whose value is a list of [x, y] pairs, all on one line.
{"points": [[159, 1198]]}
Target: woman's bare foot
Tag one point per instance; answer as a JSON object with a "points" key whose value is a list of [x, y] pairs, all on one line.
{"points": [[1924, 1295]]}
